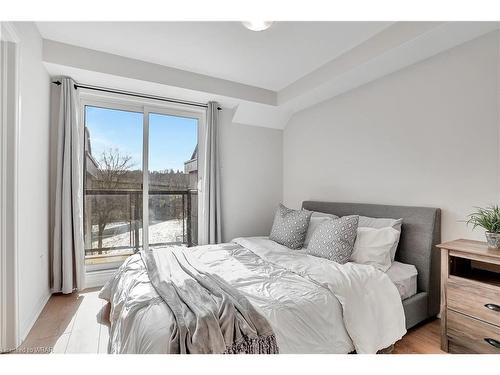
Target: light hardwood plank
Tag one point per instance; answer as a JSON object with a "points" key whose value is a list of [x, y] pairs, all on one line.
{"points": [[423, 339], [103, 340], [104, 330], [57, 317], [84, 336], [61, 344]]}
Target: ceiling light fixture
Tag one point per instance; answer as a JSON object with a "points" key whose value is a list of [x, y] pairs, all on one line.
{"points": [[257, 25]]}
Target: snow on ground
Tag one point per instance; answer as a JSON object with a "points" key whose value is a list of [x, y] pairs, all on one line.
{"points": [[159, 232]]}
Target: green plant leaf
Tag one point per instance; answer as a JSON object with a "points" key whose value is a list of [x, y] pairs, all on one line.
{"points": [[486, 218]]}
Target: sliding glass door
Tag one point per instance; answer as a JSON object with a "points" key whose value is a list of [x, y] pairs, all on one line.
{"points": [[125, 208], [173, 180], [113, 185]]}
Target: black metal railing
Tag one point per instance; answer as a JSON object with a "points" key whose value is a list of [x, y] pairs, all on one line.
{"points": [[104, 208]]}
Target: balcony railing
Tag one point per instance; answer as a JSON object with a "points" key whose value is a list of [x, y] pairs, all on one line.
{"points": [[113, 220]]}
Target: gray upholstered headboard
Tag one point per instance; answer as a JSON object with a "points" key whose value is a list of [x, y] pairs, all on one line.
{"points": [[421, 231]]}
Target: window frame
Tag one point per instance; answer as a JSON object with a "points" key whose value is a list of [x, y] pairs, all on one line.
{"points": [[146, 107]]}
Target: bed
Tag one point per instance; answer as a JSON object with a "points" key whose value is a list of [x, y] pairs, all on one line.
{"points": [[421, 232], [267, 298]]}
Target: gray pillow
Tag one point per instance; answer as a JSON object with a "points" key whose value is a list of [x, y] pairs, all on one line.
{"points": [[334, 239], [316, 219], [290, 227]]}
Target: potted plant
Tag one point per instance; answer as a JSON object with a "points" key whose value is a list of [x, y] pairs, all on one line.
{"points": [[489, 219]]}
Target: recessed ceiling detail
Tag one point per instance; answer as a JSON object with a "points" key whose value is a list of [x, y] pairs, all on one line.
{"points": [[265, 88], [271, 60]]}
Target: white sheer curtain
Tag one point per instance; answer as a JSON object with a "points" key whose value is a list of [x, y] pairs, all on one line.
{"points": [[67, 257], [210, 222]]}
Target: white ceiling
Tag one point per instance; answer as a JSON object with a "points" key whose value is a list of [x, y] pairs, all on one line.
{"points": [[264, 77], [271, 59]]}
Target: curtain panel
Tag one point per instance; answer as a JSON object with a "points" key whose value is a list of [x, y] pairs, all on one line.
{"points": [[67, 257], [210, 223]]}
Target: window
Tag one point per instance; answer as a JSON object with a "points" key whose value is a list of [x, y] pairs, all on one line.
{"points": [[173, 180], [141, 171]]}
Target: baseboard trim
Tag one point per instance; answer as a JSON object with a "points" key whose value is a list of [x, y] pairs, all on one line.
{"points": [[25, 329], [98, 278]]}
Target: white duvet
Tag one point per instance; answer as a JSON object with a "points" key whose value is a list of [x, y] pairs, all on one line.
{"points": [[313, 305]]}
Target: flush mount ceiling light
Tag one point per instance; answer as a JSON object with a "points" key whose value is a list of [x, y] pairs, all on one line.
{"points": [[257, 25]]}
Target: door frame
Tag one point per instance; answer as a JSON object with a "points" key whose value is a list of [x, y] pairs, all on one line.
{"points": [[9, 156], [167, 110], [99, 276]]}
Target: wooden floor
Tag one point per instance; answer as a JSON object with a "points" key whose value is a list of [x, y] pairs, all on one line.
{"points": [[73, 324], [423, 339], [70, 323]]}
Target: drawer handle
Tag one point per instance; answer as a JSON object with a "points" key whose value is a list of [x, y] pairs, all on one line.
{"points": [[492, 306], [493, 342]]}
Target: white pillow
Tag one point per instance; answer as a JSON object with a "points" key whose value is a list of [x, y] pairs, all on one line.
{"points": [[373, 246], [317, 218], [374, 222]]}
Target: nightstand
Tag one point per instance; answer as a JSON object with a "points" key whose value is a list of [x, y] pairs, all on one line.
{"points": [[470, 297]]}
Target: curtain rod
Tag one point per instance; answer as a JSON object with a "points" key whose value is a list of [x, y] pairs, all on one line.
{"points": [[138, 95]]}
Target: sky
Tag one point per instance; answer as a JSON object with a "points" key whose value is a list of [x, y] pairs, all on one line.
{"points": [[172, 139]]}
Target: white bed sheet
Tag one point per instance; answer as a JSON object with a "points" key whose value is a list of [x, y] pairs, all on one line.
{"points": [[404, 276], [313, 305]]}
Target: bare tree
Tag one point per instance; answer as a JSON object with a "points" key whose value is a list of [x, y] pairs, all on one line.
{"points": [[112, 173], [115, 171], [113, 167]]}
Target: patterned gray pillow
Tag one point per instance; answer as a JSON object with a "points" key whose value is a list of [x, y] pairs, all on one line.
{"points": [[290, 227], [334, 239]]}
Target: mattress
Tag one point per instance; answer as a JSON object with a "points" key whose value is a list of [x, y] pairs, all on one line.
{"points": [[312, 304], [404, 276]]}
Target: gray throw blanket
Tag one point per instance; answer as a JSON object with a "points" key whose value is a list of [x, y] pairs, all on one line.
{"points": [[211, 316]]}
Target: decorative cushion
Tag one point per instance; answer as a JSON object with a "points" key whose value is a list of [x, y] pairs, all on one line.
{"points": [[375, 222], [290, 227], [373, 246], [316, 219], [334, 239]]}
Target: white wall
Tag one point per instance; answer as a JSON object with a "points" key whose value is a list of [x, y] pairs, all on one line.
{"points": [[33, 178], [427, 135], [251, 177]]}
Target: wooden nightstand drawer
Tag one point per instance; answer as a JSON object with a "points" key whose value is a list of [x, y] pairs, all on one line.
{"points": [[472, 335], [470, 297], [479, 300]]}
